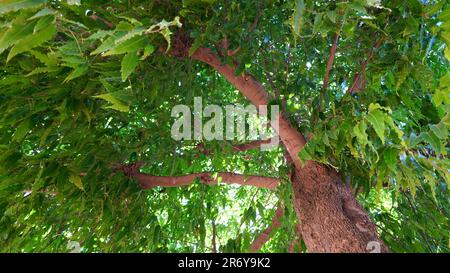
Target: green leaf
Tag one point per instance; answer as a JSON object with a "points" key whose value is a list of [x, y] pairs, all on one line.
{"points": [[13, 5], [22, 130], [376, 118], [43, 22], [106, 45], [77, 72], [148, 49], [43, 12], [76, 180], [358, 7], [390, 158], [163, 28], [447, 53], [40, 70], [197, 43], [99, 35], [32, 41], [135, 32], [129, 64], [47, 59], [116, 103], [360, 132], [130, 45], [14, 34], [297, 17], [317, 26], [440, 130], [432, 9], [434, 141]]}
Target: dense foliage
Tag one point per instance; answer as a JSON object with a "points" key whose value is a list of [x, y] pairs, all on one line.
{"points": [[85, 85]]}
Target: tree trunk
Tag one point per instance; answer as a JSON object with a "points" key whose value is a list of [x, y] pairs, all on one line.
{"points": [[331, 219]]}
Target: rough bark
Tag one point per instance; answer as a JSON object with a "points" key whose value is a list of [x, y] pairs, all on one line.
{"points": [[331, 219], [147, 181]]}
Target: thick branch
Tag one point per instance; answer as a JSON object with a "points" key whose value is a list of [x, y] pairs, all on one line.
{"points": [[265, 235], [357, 83], [255, 92], [250, 145], [237, 148], [330, 62], [147, 181]]}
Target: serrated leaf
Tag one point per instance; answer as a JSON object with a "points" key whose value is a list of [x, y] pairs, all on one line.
{"points": [[76, 180], [77, 72], [332, 16], [440, 130], [40, 70], [390, 158], [130, 45], [374, 106], [44, 136], [47, 59], [163, 28], [197, 43], [297, 17], [106, 45], [432, 9], [32, 41], [148, 49], [434, 141], [14, 5], [116, 103], [22, 130], [135, 32], [129, 64], [376, 118], [14, 34], [99, 35], [360, 132], [358, 7], [43, 22], [41, 13]]}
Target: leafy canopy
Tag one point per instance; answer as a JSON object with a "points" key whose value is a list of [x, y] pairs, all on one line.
{"points": [[87, 84]]}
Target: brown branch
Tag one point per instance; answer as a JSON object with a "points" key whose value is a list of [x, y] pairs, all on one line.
{"points": [[357, 83], [255, 92], [255, 22], [330, 62], [237, 148], [96, 17], [265, 235], [251, 145], [147, 181]]}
